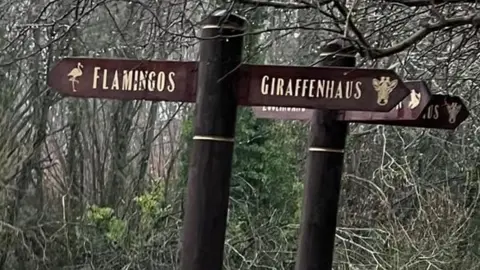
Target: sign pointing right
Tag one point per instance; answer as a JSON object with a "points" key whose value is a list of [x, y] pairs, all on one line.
{"points": [[410, 108], [332, 88], [442, 112], [419, 109]]}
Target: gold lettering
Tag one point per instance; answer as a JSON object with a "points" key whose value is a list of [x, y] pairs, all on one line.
{"points": [[358, 90], [127, 80], [321, 89], [310, 88], [104, 83], [304, 88], [160, 81], [115, 85], [289, 91], [95, 77], [142, 81], [432, 113], [399, 106], [264, 87], [171, 87], [280, 83], [272, 87], [339, 93], [151, 81], [330, 88], [298, 83], [435, 112], [349, 90], [135, 81]]}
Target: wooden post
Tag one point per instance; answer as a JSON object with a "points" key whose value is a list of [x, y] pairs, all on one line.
{"points": [[211, 158], [324, 172]]}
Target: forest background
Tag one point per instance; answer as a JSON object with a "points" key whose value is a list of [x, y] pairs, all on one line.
{"points": [[100, 184]]}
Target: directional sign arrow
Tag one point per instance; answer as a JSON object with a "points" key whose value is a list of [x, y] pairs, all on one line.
{"points": [[419, 109], [335, 88], [442, 112], [124, 79], [410, 108]]}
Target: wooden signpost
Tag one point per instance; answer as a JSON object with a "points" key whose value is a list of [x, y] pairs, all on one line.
{"points": [[331, 96], [324, 171], [209, 172], [259, 85]]}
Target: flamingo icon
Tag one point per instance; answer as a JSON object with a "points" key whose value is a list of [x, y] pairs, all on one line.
{"points": [[74, 74], [414, 99]]}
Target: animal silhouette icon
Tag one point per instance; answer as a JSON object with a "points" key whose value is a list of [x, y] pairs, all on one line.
{"points": [[453, 110], [74, 74], [414, 99], [384, 87]]}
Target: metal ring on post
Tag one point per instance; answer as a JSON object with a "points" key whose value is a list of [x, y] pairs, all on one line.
{"points": [[325, 149], [213, 138], [239, 22], [223, 26], [337, 54]]}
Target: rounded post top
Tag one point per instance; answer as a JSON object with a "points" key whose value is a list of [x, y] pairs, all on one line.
{"points": [[224, 19], [338, 47]]}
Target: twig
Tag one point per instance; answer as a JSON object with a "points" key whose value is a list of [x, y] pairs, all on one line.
{"points": [[276, 4], [426, 29], [424, 3]]}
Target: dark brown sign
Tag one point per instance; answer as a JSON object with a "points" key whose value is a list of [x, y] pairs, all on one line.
{"points": [[283, 113], [443, 112], [322, 87], [410, 108], [419, 109], [125, 79], [260, 85]]}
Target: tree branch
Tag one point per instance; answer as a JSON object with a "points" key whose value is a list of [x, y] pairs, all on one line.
{"points": [[424, 3], [349, 23], [277, 4], [473, 19]]}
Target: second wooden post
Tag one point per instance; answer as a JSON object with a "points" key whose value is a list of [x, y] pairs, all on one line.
{"points": [[211, 157], [324, 172]]}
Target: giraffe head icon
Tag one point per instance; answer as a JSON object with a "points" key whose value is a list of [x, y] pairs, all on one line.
{"points": [[384, 87], [453, 109]]}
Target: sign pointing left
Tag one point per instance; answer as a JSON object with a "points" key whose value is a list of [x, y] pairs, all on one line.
{"points": [[125, 79]]}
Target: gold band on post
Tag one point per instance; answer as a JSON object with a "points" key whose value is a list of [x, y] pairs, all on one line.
{"points": [[214, 26], [213, 138], [323, 149], [337, 54]]}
